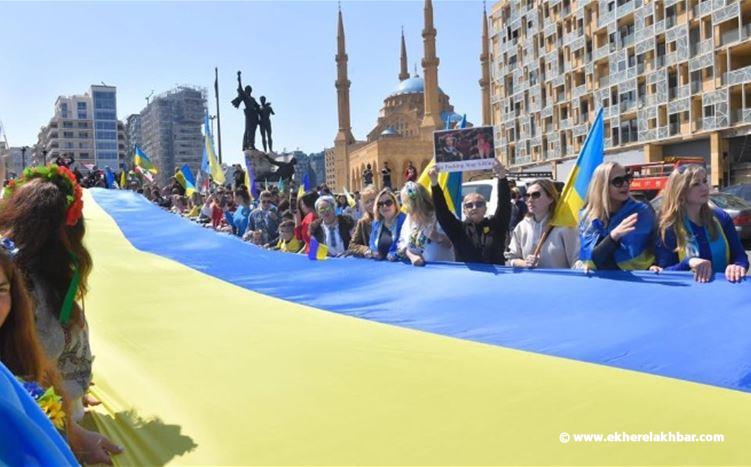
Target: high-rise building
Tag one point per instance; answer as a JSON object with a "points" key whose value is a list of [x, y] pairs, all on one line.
{"points": [[673, 79], [169, 130], [318, 167], [84, 127]]}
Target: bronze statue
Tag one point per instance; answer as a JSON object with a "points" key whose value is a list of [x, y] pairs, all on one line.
{"points": [[284, 170], [251, 113], [265, 122]]}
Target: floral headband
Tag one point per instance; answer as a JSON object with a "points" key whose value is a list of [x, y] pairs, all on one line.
{"points": [[10, 248], [63, 178]]}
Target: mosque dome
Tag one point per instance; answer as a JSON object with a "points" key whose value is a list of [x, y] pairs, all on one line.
{"points": [[414, 85], [389, 132]]}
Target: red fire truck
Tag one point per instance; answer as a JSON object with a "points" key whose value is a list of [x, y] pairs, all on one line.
{"points": [[650, 178]]}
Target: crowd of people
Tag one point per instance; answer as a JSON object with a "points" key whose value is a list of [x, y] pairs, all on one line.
{"points": [[416, 225], [44, 264]]}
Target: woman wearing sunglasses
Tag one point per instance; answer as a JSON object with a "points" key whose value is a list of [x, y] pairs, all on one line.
{"points": [[329, 229], [694, 236], [422, 239], [560, 247], [615, 230], [478, 239], [387, 227]]}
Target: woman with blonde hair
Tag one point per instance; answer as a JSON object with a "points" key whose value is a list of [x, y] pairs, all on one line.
{"points": [[615, 231], [422, 239], [560, 245], [387, 227], [694, 236], [358, 245]]}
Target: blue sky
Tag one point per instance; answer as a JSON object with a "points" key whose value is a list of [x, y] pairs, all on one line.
{"points": [[285, 50]]}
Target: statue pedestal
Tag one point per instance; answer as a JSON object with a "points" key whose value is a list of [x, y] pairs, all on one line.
{"points": [[260, 164]]}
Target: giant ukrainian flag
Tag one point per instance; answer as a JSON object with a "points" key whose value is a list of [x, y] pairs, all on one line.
{"points": [[237, 355], [575, 191]]}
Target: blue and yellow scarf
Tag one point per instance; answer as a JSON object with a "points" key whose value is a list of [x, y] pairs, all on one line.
{"points": [[719, 246], [634, 252]]}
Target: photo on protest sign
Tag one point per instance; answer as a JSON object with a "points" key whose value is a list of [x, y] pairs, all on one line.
{"points": [[464, 149]]}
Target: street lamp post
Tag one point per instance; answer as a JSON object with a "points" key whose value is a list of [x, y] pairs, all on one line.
{"points": [[44, 155], [23, 158]]}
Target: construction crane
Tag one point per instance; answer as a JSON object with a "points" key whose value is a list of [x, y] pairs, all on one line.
{"points": [[149, 97]]}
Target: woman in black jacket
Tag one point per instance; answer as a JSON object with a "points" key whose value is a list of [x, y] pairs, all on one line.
{"points": [[478, 239]]}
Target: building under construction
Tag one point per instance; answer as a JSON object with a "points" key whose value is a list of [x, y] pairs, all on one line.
{"points": [[170, 130]]}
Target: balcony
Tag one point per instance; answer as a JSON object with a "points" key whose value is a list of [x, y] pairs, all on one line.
{"points": [[741, 75], [703, 8], [674, 128], [628, 105], [740, 116], [602, 52], [627, 41], [678, 92]]}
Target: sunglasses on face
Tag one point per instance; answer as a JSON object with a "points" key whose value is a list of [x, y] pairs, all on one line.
{"points": [[474, 205], [618, 182], [387, 203], [534, 194], [325, 209]]}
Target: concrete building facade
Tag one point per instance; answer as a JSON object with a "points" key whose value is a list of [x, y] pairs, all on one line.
{"points": [[84, 127], [673, 78], [169, 130]]}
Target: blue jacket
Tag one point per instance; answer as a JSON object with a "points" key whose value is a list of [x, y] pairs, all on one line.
{"points": [[396, 230]]}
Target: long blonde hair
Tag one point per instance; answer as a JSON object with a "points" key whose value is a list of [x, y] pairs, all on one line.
{"points": [[417, 203], [368, 192], [597, 204], [673, 210], [387, 192]]}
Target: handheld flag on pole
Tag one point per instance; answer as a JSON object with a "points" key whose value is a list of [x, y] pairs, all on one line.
{"points": [[208, 148], [575, 191], [123, 179], [142, 161], [186, 179], [304, 186], [350, 199], [317, 251], [250, 178], [109, 177]]}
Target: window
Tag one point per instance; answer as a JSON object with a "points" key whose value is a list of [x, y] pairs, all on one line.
{"points": [[106, 125], [82, 115], [67, 124], [82, 125], [68, 134], [83, 134], [82, 106], [709, 111], [105, 115]]}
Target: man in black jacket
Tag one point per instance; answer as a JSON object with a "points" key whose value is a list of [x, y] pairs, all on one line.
{"points": [[478, 239]]}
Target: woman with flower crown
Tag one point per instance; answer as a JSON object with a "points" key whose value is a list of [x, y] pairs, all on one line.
{"points": [[694, 236], [42, 214], [422, 239]]}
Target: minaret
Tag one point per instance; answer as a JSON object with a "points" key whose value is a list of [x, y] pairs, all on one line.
{"points": [[344, 136], [342, 86], [404, 74], [485, 67], [432, 119]]}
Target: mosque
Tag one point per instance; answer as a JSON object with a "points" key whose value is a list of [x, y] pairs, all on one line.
{"points": [[410, 115]]}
